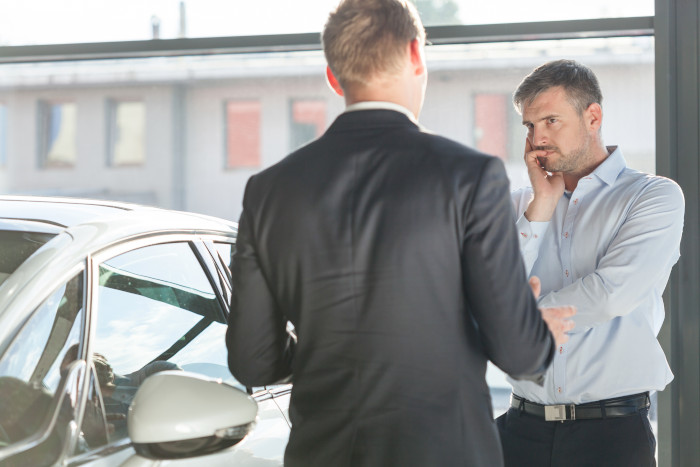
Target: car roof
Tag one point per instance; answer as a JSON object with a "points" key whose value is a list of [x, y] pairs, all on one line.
{"points": [[82, 227], [70, 212], [63, 212]]}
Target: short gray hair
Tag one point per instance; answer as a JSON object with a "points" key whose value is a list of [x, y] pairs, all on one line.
{"points": [[579, 83]]}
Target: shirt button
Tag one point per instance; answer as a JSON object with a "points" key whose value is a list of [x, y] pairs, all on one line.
{"points": [[576, 201], [561, 349], [567, 273], [566, 234], [559, 389]]}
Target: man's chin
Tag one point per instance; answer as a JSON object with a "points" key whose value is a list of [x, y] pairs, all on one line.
{"points": [[543, 162]]}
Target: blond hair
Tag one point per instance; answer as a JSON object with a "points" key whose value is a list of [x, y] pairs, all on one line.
{"points": [[365, 38]]}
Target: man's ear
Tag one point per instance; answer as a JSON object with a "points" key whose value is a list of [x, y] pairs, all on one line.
{"points": [[333, 82], [417, 59], [594, 116]]}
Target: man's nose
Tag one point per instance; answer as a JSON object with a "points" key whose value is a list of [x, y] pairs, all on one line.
{"points": [[539, 136]]}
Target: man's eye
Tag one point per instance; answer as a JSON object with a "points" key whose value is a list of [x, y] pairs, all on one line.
{"points": [[552, 120]]}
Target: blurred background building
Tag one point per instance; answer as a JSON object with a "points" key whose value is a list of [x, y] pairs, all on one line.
{"points": [[187, 132]]}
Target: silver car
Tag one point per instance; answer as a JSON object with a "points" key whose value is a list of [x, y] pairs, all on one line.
{"points": [[112, 351]]}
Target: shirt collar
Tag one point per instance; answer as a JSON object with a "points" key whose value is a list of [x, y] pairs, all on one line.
{"points": [[374, 105], [611, 167]]}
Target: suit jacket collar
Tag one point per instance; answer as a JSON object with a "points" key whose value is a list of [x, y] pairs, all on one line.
{"points": [[373, 105], [375, 118]]}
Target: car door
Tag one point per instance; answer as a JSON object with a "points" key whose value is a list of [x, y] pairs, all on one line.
{"points": [[161, 306], [42, 382]]}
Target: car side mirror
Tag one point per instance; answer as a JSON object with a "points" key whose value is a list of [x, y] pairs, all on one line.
{"points": [[178, 414]]}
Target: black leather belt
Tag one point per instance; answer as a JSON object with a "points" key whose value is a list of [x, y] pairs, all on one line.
{"points": [[608, 408]]}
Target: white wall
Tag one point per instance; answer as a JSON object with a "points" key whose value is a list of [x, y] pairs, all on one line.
{"points": [[91, 176]]}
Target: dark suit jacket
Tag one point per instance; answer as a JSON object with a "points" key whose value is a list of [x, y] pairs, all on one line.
{"points": [[393, 252]]}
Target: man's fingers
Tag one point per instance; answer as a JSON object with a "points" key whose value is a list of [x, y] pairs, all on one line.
{"points": [[559, 322], [559, 311], [563, 325], [536, 286], [531, 154], [566, 311]]}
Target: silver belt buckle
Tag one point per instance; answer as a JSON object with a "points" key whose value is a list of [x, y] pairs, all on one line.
{"points": [[555, 413]]}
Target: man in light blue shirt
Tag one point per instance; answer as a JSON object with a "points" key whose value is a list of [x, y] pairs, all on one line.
{"points": [[602, 237]]}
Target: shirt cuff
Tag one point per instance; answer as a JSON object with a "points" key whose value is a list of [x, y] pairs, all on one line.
{"points": [[530, 235]]}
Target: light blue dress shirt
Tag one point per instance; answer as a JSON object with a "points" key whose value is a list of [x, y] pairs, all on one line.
{"points": [[608, 250]]}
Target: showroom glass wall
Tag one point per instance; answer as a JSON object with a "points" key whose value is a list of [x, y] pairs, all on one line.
{"points": [[81, 21], [177, 103], [186, 132]]}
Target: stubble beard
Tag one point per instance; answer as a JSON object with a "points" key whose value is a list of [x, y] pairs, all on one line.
{"points": [[574, 162]]}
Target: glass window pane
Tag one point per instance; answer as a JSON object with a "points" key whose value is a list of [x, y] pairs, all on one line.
{"points": [[226, 251], [491, 123], [308, 121], [96, 427], [108, 21], [461, 103], [157, 311], [126, 132], [470, 89], [16, 246], [32, 367], [242, 134], [58, 121], [3, 134], [512, 11]]}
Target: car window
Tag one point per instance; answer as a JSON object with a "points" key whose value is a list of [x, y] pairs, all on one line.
{"points": [[156, 311], [220, 253], [226, 251], [16, 247], [32, 367]]}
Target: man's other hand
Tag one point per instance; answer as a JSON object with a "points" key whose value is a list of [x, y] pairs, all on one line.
{"points": [[558, 318]]}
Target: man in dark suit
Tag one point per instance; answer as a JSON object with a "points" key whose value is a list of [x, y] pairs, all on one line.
{"points": [[393, 252]]}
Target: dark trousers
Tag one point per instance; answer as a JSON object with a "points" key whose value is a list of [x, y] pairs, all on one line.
{"points": [[529, 441]]}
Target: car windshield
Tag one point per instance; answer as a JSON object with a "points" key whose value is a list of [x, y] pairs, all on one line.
{"points": [[16, 247]]}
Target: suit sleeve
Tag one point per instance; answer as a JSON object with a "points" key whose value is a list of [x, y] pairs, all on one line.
{"points": [[256, 338], [514, 336]]}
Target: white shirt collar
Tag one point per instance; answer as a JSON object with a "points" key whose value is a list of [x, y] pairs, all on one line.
{"points": [[373, 105]]}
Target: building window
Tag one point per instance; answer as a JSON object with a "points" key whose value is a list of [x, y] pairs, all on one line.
{"points": [[242, 134], [126, 123], [57, 133], [308, 121], [3, 135], [498, 128], [491, 124]]}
